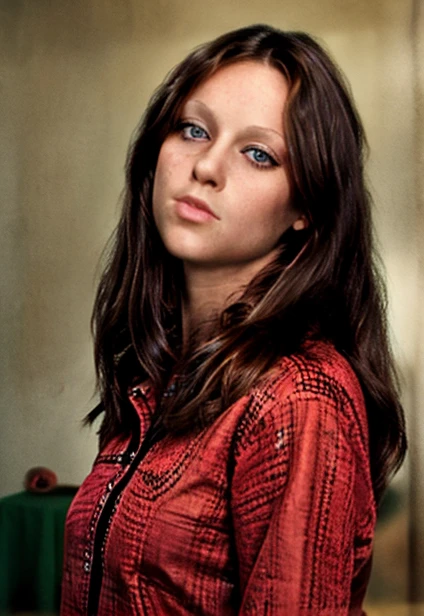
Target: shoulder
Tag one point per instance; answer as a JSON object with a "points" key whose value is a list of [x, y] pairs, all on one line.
{"points": [[314, 390], [317, 370], [316, 373]]}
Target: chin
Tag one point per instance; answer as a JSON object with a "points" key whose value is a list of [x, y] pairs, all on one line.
{"points": [[184, 250]]}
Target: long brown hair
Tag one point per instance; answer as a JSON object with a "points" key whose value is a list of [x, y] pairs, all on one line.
{"points": [[324, 282]]}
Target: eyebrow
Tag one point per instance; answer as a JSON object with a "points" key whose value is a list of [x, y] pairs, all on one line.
{"points": [[250, 130]]}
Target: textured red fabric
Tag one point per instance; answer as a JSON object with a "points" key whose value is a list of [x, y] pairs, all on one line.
{"points": [[269, 511]]}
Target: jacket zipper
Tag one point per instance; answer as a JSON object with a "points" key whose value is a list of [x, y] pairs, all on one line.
{"points": [[153, 435]]}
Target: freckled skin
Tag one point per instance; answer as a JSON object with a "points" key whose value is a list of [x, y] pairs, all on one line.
{"points": [[238, 169]]}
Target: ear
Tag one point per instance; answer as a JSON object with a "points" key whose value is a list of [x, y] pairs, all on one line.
{"points": [[300, 223]]}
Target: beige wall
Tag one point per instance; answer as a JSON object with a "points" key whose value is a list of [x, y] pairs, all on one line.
{"points": [[74, 78], [416, 416]]}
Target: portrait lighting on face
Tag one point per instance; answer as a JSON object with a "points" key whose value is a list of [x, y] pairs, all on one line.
{"points": [[221, 195]]}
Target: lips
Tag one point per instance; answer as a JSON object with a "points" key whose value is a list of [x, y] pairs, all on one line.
{"points": [[198, 204]]}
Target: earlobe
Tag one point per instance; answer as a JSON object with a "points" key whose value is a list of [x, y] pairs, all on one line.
{"points": [[300, 223]]}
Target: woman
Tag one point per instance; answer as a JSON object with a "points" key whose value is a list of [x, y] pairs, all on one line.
{"points": [[251, 418]]}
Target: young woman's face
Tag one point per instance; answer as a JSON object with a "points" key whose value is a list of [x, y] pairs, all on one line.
{"points": [[221, 193]]}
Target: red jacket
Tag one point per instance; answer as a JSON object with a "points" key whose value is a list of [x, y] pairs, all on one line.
{"points": [[269, 511]]}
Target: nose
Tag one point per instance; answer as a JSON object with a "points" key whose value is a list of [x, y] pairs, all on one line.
{"points": [[209, 167]]}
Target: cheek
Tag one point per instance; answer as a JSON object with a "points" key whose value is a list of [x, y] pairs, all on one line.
{"points": [[161, 171], [267, 204], [171, 156], [162, 182], [170, 173]]}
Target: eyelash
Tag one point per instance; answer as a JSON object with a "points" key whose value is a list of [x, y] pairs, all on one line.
{"points": [[187, 125], [183, 127], [271, 161]]}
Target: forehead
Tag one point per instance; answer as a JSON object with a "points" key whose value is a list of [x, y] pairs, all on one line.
{"points": [[246, 88]]}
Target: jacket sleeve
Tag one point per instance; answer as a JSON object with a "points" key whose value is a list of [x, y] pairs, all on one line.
{"points": [[293, 505]]}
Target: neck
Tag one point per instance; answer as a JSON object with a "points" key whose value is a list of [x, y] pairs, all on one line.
{"points": [[203, 304], [208, 293]]}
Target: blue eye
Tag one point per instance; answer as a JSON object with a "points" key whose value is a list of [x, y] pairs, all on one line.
{"points": [[192, 131], [260, 158]]}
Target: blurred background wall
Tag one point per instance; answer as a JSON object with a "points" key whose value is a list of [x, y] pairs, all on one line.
{"points": [[75, 76]]}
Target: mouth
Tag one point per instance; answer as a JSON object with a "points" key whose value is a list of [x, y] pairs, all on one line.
{"points": [[197, 204]]}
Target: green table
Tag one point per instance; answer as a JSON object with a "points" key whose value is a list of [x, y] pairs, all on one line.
{"points": [[31, 550]]}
